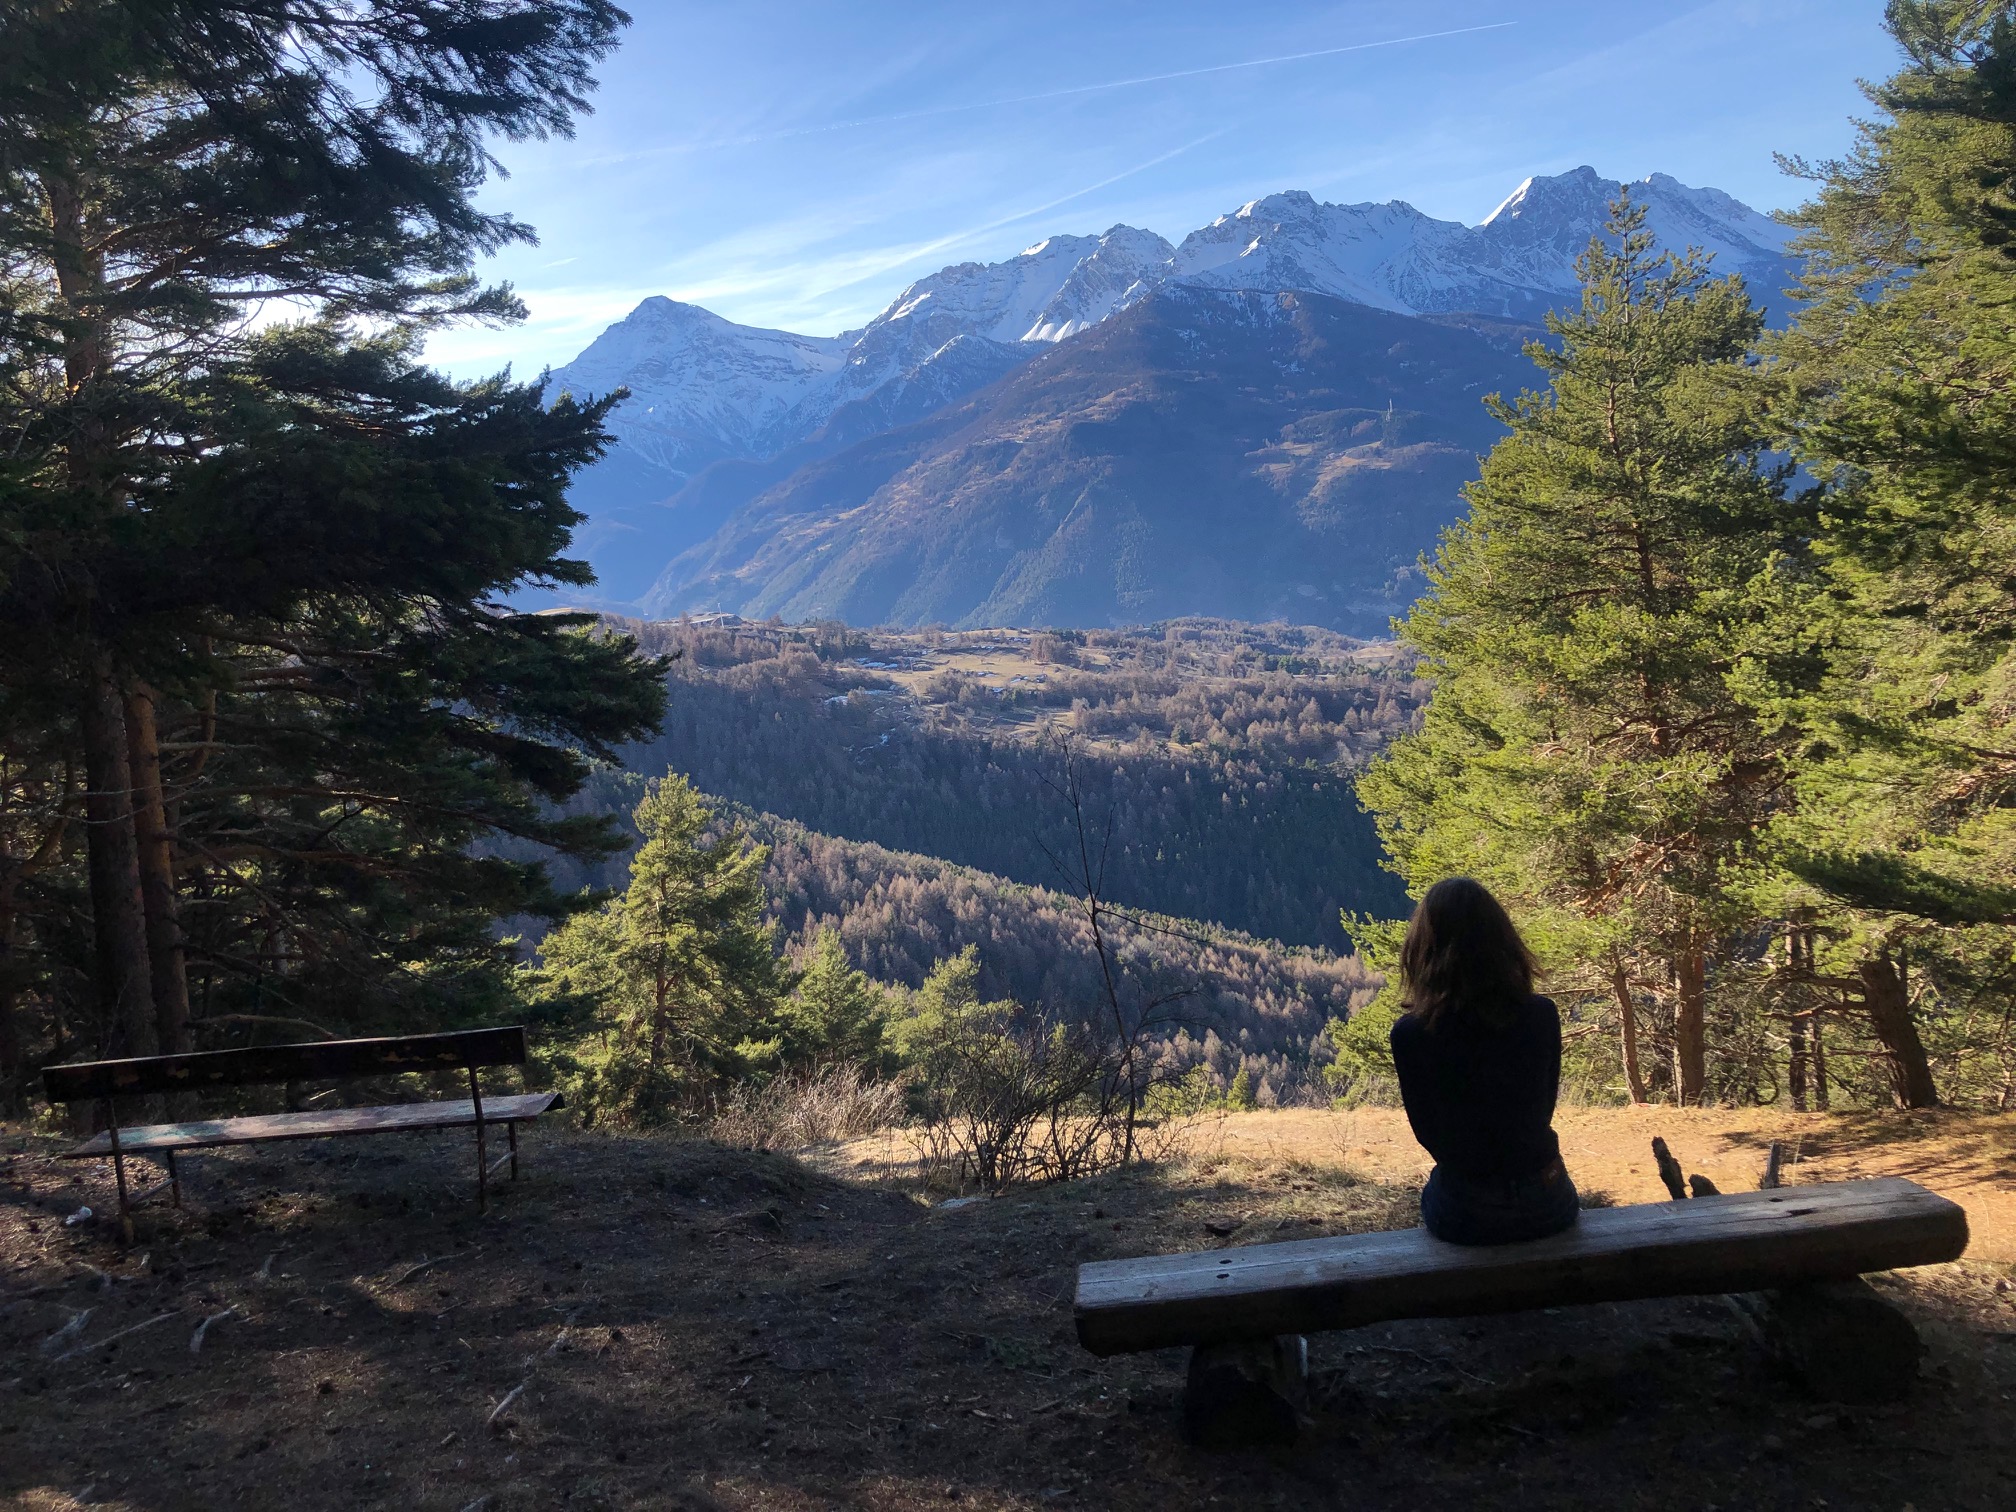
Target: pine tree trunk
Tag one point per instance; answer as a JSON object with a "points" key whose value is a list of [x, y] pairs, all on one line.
{"points": [[156, 847], [13, 1050], [1799, 961], [1797, 1071], [1886, 995], [118, 917], [1690, 1025], [1627, 1017], [1820, 1094]]}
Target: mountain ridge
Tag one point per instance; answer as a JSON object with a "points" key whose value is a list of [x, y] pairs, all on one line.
{"points": [[720, 412], [1218, 451]]}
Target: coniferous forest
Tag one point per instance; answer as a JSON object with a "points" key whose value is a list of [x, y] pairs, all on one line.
{"points": [[260, 695], [911, 1067], [1713, 682]]}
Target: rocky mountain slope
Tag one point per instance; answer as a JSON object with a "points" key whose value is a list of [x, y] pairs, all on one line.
{"points": [[721, 414], [1226, 452]]}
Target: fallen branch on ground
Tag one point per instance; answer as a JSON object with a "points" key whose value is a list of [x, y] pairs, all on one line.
{"points": [[94, 1347], [509, 1397], [67, 1332], [413, 1270], [196, 1339]]}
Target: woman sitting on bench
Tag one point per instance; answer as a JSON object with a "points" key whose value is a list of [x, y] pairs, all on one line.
{"points": [[1479, 1057]]}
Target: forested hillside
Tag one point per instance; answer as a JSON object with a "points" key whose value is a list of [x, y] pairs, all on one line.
{"points": [[1222, 753], [1247, 1003]]}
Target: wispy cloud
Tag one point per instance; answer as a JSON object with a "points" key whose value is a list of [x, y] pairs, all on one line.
{"points": [[1160, 78], [757, 270], [1101, 87], [970, 233]]}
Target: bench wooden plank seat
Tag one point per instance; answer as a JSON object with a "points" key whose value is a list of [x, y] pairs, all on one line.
{"points": [[266, 1127], [466, 1051], [1741, 1241]]}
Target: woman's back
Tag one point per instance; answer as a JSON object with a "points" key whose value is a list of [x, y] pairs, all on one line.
{"points": [[1479, 1057], [1480, 1092]]}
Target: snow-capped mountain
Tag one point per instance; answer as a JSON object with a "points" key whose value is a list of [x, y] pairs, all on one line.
{"points": [[1058, 286], [1518, 261], [704, 390], [701, 388]]}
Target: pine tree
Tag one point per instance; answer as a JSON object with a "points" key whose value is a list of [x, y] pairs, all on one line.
{"points": [[1587, 753], [835, 1014], [947, 1009], [681, 971], [1240, 1096], [1900, 380], [260, 567]]}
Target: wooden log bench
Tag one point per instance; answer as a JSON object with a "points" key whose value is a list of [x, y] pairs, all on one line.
{"points": [[1244, 1310], [104, 1082]]}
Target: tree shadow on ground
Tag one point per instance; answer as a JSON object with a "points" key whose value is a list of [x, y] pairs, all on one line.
{"points": [[688, 1326]]}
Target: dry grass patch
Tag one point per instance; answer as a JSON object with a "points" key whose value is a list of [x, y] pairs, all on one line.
{"points": [[690, 1326]]}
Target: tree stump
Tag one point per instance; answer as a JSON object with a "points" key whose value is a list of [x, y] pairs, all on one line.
{"points": [[1245, 1394], [1842, 1340]]}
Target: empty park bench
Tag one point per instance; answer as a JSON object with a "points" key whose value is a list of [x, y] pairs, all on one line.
{"points": [[105, 1082], [1244, 1310]]}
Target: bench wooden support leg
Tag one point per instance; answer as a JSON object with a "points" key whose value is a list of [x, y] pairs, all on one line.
{"points": [[174, 1180], [511, 1133], [1842, 1340], [1247, 1393], [482, 1156], [119, 1171]]}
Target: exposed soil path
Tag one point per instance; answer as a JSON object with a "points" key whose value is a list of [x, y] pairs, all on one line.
{"points": [[647, 1324]]}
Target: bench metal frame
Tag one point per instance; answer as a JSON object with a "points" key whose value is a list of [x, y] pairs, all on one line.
{"points": [[103, 1082]]}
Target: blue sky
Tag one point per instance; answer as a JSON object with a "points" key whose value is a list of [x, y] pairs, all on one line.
{"points": [[795, 163]]}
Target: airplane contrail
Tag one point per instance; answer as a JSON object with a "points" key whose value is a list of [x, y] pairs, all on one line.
{"points": [[1058, 94], [1181, 73]]}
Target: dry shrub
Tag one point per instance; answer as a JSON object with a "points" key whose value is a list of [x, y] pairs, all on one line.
{"points": [[803, 1108], [1006, 1100]]}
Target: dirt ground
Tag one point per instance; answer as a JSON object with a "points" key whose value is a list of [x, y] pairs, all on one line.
{"points": [[648, 1323]]}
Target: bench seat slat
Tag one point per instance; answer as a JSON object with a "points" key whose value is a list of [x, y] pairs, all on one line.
{"points": [[264, 1127], [1741, 1241]]}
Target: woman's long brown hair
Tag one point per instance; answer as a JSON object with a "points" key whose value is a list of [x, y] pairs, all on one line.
{"points": [[1462, 955]]}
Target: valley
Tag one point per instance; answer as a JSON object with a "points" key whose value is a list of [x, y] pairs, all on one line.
{"points": [[908, 784], [1200, 739]]}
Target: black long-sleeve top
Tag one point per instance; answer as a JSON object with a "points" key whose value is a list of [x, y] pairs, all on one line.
{"points": [[1480, 1088]]}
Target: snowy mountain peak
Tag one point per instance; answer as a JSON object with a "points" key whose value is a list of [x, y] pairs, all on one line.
{"points": [[1560, 194], [704, 388], [752, 378], [1578, 203], [1518, 261], [1008, 301]]}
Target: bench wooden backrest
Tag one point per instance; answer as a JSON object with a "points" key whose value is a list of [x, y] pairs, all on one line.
{"points": [[314, 1061]]}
